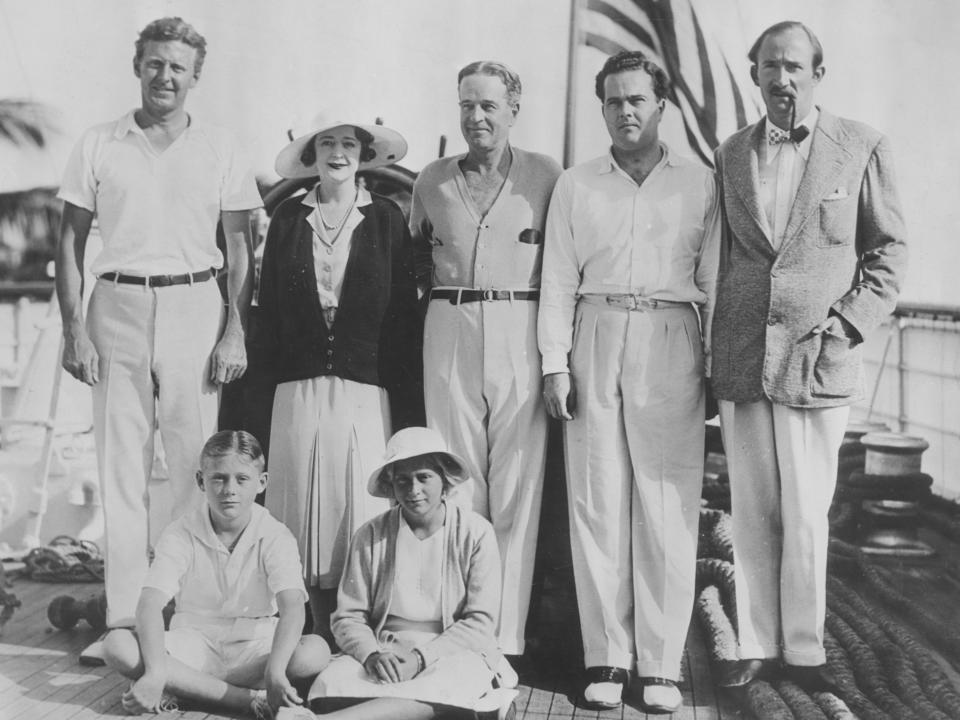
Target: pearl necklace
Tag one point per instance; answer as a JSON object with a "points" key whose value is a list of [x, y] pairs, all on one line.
{"points": [[342, 220]]}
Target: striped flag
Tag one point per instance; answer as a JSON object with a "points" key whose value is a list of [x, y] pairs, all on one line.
{"points": [[711, 101]]}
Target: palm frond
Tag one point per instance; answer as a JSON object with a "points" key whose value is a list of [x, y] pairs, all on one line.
{"points": [[24, 122]]}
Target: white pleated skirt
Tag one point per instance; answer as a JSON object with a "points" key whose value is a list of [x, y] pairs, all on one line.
{"points": [[463, 679], [327, 436]]}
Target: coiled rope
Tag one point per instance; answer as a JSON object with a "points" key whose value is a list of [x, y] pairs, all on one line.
{"points": [[65, 559], [883, 671]]}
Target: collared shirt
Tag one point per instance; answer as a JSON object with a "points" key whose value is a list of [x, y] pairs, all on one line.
{"points": [[606, 234], [331, 251], [209, 581], [456, 247], [157, 211], [781, 168]]}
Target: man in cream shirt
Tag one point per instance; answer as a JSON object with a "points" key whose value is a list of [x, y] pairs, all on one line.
{"points": [[631, 253], [477, 224]]}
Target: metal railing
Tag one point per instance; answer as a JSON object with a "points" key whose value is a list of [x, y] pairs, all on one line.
{"points": [[913, 373], [912, 365]]}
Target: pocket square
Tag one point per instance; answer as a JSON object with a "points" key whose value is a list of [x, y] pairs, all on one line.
{"points": [[531, 236], [839, 194]]}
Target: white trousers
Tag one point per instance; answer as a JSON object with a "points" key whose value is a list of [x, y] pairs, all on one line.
{"points": [[155, 346], [634, 461], [482, 388], [783, 470]]}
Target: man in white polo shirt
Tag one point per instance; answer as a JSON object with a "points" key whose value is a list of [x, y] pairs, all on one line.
{"points": [[155, 343]]}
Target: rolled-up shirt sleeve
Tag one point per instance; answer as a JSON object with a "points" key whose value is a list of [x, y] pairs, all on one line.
{"points": [[421, 232], [560, 281], [708, 261]]}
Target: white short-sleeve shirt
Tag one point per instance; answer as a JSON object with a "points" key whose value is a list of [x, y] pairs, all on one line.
{"points": [[158, 211], [208, 581]]}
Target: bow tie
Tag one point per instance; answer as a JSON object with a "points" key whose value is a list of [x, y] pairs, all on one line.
{"points": [[775, 135]]}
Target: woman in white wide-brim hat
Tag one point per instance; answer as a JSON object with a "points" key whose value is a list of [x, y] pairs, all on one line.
{"points": [[339, 330], [419, 598]]}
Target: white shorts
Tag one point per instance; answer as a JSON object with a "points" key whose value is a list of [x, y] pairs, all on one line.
{"points": [[234, 650]]}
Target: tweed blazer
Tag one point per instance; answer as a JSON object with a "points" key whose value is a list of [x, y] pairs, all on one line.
{"points": [[843, 253]]}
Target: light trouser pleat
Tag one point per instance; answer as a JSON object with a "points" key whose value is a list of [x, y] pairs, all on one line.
{"points": [[148, 338], [328, 435], [783, 468], [483, 394], [634, 454]]}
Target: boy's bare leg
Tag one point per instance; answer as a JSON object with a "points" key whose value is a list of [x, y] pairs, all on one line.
{"points": [[310, 657], [122, 651], [188, 683]]}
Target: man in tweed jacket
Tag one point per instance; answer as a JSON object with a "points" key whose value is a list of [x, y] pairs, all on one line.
{"points": [[812, 259]]}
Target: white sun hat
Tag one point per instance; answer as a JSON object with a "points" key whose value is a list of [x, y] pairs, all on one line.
{"points": [[413, 442], [388, 147]]}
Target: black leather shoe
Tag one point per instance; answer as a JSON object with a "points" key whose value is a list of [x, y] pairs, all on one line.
{"points": [[738, 673], [812, 678], [596, 694]]}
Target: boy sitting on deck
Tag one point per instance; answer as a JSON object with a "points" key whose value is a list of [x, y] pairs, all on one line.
{"points": [[231, 567]]}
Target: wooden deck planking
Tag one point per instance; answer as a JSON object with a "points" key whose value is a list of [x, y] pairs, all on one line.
{"points": [[40, 678], [45, 679], [71, 699]]}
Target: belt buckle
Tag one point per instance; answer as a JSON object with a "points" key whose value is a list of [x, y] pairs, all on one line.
{"points": [[639, 302], [488, 295]]}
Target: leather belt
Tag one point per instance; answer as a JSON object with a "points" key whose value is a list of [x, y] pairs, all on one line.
{"points": [[159, 280], [627, 301], [460, 296]]}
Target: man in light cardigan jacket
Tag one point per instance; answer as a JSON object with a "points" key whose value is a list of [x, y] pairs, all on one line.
{"points": [[812, 259]]}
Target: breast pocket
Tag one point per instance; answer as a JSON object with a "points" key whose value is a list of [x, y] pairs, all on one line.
{"points": [[531, 236], [527, 257], [838, 220]]}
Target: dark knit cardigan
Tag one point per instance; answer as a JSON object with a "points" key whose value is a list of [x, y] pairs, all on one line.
{"points": [[376, 337]]}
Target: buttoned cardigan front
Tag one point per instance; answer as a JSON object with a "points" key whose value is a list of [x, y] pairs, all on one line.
{"points": [[470, 587], [376, 336]]}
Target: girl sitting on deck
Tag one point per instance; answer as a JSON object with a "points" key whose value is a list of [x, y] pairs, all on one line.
{"points": [[418, 602]]}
